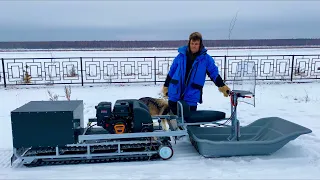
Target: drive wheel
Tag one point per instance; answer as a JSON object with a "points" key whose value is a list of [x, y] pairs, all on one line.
{"points": [[165, 152]]}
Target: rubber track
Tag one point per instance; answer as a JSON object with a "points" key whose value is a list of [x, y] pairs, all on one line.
{"points": [[82, 160], [88, 161]]}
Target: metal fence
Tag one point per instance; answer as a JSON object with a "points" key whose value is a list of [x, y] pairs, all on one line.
{"points": [[88, 70]]}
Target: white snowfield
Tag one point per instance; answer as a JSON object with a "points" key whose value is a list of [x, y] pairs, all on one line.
{"points": [[299, 159], [159, 53]]}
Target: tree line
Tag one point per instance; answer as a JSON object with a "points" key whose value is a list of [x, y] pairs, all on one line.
{"points": [[155, 44]]}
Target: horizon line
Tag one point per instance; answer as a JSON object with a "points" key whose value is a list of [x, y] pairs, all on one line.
{"points": [[165, 40]]}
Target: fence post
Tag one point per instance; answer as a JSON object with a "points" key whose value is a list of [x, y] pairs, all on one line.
{"points": [[4, 73], [155, 70], [81, 70], [292, 64], [225, 69]]}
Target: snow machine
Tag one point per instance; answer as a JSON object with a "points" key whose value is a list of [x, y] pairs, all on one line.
{"points": [[54, 132]]}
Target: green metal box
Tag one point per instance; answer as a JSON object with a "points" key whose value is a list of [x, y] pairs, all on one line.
{"points": [[47, 123]]}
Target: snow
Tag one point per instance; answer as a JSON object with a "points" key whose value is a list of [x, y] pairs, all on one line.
{"points": [[299, 159], [296, 102], [158, 53]]}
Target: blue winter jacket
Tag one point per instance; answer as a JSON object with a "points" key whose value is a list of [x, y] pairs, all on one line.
{"points": [[191, 92]]}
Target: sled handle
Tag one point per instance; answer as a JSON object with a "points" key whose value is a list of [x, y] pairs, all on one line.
{"points": [[239, 93]]}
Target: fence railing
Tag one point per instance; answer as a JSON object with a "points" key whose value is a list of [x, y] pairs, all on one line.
{"points": [[87, 70]]}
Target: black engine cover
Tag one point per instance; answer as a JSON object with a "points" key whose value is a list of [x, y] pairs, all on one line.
{"points": [[131, 113], [103, 112], [142, 120], [122, 109]]}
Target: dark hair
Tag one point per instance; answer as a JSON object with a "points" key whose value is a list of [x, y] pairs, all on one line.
{"points": [[195, 36]]}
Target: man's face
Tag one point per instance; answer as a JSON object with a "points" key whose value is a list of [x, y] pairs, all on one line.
{"points": [[194, 46]]}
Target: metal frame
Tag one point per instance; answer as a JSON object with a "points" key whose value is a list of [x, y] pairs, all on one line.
{"points": [[235, 124], [132, 135]]}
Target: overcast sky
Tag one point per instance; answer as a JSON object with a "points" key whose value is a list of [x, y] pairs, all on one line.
{"points": [[156, 20]]}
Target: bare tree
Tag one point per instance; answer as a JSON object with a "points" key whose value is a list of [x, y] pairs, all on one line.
{"points": [[231, 26], [67, 91], [53, 97]]}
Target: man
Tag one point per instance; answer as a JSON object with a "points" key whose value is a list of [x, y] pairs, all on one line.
{"points": [[187, 74]]}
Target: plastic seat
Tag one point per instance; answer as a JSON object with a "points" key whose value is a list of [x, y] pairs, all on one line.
{"points": [[199, 115]]}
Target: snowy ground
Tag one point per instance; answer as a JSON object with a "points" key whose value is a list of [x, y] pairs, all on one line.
{"points": [[299, 159]]}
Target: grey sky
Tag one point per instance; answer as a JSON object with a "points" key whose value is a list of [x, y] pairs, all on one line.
{"points": [[156, 20]]}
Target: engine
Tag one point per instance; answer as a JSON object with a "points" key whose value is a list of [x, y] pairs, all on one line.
{"points": [[127, 116]]}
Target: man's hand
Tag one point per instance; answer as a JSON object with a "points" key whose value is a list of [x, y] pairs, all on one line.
{"points": [[225, 90], [165, 91]]}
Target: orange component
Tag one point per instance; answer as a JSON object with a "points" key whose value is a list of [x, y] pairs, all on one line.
{"points": [[119, 128]]}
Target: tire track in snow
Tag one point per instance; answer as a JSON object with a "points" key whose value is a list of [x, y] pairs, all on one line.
{"points": [[312, 148], [5, 156]]}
